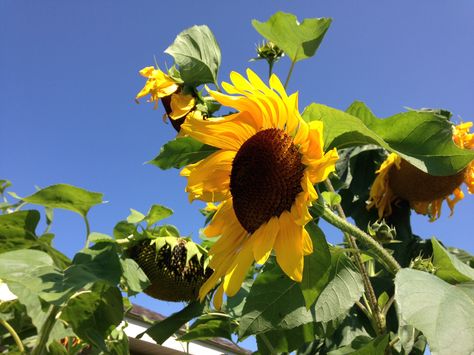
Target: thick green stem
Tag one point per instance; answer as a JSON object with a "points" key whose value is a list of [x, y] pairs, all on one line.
{"points": [[371, 300], [45, 331], [330, 217], [267, 343], [289, 73], [14, 335], [88, 231]]}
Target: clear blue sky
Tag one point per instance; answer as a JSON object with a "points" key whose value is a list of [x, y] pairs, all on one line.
{"points": [[69, 74]]}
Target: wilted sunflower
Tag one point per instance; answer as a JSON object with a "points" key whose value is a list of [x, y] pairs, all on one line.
{"points": [[161, 86], [398, 179], [263, 174]]}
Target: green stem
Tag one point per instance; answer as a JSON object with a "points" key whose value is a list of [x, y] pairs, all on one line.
{"points": [[330, 217], [289, 73], [267, 343], [270, 68], [45, 331], [88, 231], [14, 335]]}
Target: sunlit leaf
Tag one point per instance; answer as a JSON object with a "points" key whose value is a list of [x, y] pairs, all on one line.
{"points": [[341, 292], [135, 278], [157, 213], [443, 312], [67, 197], [298, 40], [422, 137], [317, 266], [448, 267], [135, 216], [197, 54], [180, 152], [274, 302], [162, 330]]}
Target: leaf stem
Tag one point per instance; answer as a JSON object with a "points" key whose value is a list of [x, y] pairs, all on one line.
{"points": [[45, 331], [267, 343], [289, 73], [371, 300], [88, 231], [14, 335]]}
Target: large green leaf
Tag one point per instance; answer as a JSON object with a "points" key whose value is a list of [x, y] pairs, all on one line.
{"points": [[162, 330], [285, 340], [274, 302], [196, 52], [364, 346], [17, 229], [423, 138], [443, 312], [317, 266], [135, 278], [180, 152], [66, 197], [448, 267], [298, 40], [208, 327], [29, 274], [340, 294], [94, 314]]}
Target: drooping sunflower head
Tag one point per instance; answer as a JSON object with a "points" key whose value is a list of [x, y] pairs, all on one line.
{"points": [[161, 86], [263, 173], [398, 179]]}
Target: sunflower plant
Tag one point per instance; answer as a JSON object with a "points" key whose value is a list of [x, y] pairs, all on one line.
{"points": [[270, 174]]}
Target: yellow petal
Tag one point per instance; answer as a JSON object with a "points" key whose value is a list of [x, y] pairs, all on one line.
{"points": [[264, 238], [289, 247], [218, 297], [239, 269], [223, 213], [209, 179], [229, 133], [307, 243], [181, 105], [299, 209]]}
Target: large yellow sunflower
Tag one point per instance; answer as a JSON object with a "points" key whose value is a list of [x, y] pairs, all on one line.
{"points": [[263, 174], [162, 86], [398, 179]]}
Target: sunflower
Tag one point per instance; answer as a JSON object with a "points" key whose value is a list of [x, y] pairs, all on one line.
{"points": [[263, 175], [398, 179], [162, 86]]}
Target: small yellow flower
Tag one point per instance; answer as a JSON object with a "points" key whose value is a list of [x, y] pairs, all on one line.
{"points": [[398, 179], [263, 175], [162, 86]]}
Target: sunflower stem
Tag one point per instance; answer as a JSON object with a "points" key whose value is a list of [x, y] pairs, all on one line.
{"points": [[14, 335], [88, 231], [45, 331], [267, 343], [371, 300], [289, 73]]}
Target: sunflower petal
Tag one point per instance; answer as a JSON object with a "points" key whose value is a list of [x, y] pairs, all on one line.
{"points": [[239, 269], [264, 238], [289, 247], [181, 105]]}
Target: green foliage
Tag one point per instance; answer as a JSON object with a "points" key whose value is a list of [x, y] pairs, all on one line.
{"points": [[421, 137], [197, 55], [298, 40], [364, 346], [317, 266], [180, 152], [67, 197], [448, 267], [443, 312], [210, 326], [162, 330]]}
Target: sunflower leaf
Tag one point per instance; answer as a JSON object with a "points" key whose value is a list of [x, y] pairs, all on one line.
{"points": [[317, 266], [424, 138], [67, 197], [443, 312], [363, 345], [209, 326], [286, 310], [298, 40], [448, 267], [197, 54], [180, 152]]}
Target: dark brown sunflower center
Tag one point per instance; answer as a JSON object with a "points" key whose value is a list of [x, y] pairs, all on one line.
{"points": [[266, 177]]}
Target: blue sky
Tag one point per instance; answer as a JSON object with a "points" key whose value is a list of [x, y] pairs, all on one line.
{"points": [[69, 75]]}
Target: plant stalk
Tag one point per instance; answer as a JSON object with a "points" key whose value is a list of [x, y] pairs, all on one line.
{"points": [[369, 290], [45, 331], [289, 73], [14, 335], [88, 231]]}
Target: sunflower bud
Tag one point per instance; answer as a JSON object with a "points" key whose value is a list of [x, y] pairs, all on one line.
{"points": [[269, 51], [381, 231], [421, 264]]}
